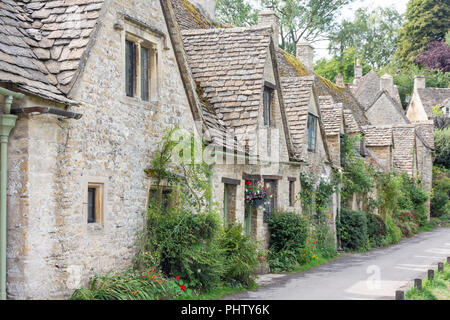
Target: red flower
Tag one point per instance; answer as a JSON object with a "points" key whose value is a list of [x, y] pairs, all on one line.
{"points": [[248, 182], [132, 292], [177, 277], [183, 287], [314, 242]]}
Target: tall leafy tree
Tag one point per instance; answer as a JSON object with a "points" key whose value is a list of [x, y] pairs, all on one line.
{"points": [[437, 57], [426, 21], [308, 19], [238, 13], [373, 34], [330, 68]]}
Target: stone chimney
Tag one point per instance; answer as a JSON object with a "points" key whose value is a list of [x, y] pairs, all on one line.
{"points": [[269, 17], [387, 83], [305, 53], [340, 80], [207, 6], [419, 82], [358, 71]]}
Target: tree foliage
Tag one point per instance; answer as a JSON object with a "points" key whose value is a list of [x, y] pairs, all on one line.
{"points": [[374, 34], [330, 68], [442, 146], [426, 21], [308, 19], [437, 57], [238, 13]]}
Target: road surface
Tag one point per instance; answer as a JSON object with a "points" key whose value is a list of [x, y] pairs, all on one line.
{"points": [[373, 275]]}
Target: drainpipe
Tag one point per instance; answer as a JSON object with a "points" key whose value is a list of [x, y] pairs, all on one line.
{"points": [[7, 123]]}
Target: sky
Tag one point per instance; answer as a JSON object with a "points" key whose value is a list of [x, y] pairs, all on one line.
{"points": [[321, 48]]}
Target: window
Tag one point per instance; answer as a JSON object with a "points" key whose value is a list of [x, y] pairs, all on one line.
{"points": [[140, 68], [342, 149], [270, 206], [95, 203], [312, 124], [267, 101], [166, 197], [291, 193]]}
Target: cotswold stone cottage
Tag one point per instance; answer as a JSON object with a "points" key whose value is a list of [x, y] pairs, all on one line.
{"points": [[88, 88]]}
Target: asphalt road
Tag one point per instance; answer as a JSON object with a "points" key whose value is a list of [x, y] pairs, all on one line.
{"points": [[373, 275]]}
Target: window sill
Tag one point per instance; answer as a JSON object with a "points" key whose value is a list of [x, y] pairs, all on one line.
{"points": [[95, 228], [137, 102]]}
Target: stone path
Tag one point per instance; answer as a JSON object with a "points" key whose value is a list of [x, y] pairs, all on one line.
{"points": [[373, 275]]}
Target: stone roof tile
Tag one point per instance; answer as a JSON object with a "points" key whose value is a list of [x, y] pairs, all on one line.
{"points": [[431, 97], [331, 115], [378, 136]]}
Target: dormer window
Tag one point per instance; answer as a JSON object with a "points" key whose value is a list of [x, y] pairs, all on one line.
{"points": [[311, 127], [267, 102]]}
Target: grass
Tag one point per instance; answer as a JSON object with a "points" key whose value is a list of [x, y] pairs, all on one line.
{"points": [[436, 289], [219, 292]]}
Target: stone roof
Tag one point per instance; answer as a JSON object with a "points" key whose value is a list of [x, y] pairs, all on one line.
{"points": [[331, 115], [404, 143], [228, 65], [367, 88], [378, 136], [425, 132], [21, 51], [190, 17], [350, 123], [297, 93], [431, 97]]}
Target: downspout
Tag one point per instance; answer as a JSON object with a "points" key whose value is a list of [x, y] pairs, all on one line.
{"points": [[7, 123]]}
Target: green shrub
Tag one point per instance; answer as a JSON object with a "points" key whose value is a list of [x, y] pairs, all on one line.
{"points": [[188, 246], [440, 201], [353, 230], [376, 230], [393, 232], [241, 256], [287, 229], [131, 285]]}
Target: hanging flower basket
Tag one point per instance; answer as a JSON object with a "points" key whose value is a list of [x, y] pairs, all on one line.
{"points": [[256, 194]]}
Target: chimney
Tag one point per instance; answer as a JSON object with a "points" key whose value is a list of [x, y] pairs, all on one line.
{"points": [[269, 17], [419, 82], [387, 83], [305, 53], [207, 7], [340, 80], [358, 71]]}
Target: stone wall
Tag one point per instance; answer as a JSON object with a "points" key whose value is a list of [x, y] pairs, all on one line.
{"points": [[384, 112]]}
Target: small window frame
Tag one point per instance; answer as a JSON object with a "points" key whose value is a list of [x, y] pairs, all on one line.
{"points": [[268, 94], [98, 206], [312, 131]]}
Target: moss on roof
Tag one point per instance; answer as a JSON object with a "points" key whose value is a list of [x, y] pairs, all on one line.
{"points": [[296, 64], [200, 18]]}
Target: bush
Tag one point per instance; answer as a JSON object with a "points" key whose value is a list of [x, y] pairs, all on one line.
{"points": [[353, 230], [288, 233], [394, 234], [241, 256], [287, 229], [376, 230], [131, 285], [440, 201], [188, 246], [442, 147]]}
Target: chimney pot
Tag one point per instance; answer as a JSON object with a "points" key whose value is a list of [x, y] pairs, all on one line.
{"points": [[305, 53], [387, 83], [340, 80], [269, 17], [419, 82]]}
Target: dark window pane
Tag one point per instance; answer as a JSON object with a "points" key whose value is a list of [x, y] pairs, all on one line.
{"points": [[130, 67], [291, 193], [91, 205], [267, 100], [312, 121], [145, 71]]}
